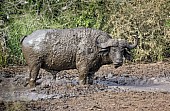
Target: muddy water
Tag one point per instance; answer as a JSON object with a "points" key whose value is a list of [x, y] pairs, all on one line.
{"points": [[134, 83], [12, 87]]}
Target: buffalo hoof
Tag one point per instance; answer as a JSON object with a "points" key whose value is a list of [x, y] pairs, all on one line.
{"points": [[86, 82], [90, 81], [82, 82], [32, 83]]}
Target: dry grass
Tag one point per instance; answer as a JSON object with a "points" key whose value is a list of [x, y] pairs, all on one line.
{"points": [[148, 19]]}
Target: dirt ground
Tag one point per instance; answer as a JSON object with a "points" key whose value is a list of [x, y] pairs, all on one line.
{"points": [[136, 87]]}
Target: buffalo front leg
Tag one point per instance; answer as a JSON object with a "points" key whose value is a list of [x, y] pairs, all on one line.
{"points": [[85, 77], [90, 78], [83, 72], [85, 57], [34, 70]]}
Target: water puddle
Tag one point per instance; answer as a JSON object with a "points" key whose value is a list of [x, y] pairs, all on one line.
{"points": [[134, 83]]}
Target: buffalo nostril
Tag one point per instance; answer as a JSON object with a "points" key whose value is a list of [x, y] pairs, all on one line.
{"points": [[117, 64], [118, 61]]}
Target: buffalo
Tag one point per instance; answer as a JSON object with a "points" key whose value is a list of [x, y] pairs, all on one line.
{"points": [[84, 49]]}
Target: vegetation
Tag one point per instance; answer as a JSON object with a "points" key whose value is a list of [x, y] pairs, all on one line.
{"points": [[120, 18]]}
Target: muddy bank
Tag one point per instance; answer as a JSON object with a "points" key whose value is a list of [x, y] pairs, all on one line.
{"points": [[146, 77], [112, 86]]}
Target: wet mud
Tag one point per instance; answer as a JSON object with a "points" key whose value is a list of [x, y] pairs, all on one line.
{"points": [[135, 84]]}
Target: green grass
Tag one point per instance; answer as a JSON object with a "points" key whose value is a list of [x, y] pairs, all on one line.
{"points": [[19, 27]]}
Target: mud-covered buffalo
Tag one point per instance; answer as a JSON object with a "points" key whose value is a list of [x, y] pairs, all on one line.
{"points": [[84, 49]]}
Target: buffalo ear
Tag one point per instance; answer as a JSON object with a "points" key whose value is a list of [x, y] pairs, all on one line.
{"points": [[127, 55]]}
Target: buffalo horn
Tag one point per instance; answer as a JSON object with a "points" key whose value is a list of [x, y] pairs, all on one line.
{"points": [[109, 43]]}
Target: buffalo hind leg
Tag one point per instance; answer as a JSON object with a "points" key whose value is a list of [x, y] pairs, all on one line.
{"points": [[53, 73], [34, 70]]}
